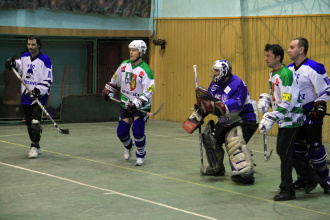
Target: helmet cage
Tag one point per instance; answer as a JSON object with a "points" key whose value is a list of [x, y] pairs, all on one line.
{"points": [[222, 66]]}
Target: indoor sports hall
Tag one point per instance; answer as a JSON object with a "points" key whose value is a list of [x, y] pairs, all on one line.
{"points": [[81, 172]]}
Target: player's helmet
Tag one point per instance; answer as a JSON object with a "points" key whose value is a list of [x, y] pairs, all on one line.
{"points": [[222, 66], [138, 44]]}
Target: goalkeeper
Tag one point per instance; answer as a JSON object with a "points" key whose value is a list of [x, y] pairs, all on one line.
{"points": [[228, 98]]}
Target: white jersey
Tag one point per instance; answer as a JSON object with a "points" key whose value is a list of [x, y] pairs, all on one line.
{"points": [[35, 72], [286, 103], [313, 81], [134, 82]]}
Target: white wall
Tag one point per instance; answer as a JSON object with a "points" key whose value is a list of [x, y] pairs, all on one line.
{"points": [[233, 8]]}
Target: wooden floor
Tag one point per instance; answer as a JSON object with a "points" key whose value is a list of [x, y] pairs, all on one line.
{"points": [[84, 175]]}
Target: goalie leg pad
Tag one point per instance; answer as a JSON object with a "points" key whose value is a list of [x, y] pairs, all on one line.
{"points": [[239, 157], [214, 153]]}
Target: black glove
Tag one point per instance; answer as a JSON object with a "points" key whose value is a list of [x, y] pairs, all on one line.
{"points": [[319, 109], [10, 63], [109, 91], [35, 94]]}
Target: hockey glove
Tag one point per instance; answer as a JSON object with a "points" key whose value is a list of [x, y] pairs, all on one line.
{"points": [[109, 91], [10, 63], [319, 109], [211, 107], [264, 103], [139, 103], [35, 94], [267, 122]]}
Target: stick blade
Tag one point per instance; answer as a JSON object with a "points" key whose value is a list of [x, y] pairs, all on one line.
{"points": [[64, 131]]}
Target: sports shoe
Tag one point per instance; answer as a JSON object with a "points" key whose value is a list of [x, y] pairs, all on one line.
{"points": [[326, 187], [139, 161], [34, 152], [299, 184], [128, 153], [309, 187], [285, 195]]}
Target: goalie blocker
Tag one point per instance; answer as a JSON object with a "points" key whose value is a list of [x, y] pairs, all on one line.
{"points": [[196, 118]]}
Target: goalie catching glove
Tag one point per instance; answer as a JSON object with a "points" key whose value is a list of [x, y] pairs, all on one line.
{"points": [[109, 91]]}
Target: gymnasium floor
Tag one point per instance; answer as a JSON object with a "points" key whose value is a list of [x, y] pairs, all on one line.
{"points": [[84, 175]]}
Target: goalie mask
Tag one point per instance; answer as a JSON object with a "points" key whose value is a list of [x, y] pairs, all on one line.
{"points": [[138, 44], [220, 69]]}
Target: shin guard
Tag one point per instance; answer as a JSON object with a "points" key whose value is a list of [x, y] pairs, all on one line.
{"points": [[318, 160], [139, 137], [123, 134], [35, 131]]}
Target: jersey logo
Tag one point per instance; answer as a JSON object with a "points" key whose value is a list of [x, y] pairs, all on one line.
{"points": [[123, 68], [287, 97], [141, 74], [130, 79], [29, 74], [327, 81], [277, 82]]}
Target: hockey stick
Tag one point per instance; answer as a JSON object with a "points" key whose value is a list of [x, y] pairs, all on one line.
{"points": [[199, 127], [148, 113], [62, 131], [266, 157]]}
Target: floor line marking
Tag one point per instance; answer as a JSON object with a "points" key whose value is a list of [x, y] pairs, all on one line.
{"points": [[110, 191], [179, 180]]}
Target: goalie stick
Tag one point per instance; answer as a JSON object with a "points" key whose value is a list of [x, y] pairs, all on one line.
{"points": [[62, 131], [203, 168], [148, 113]]}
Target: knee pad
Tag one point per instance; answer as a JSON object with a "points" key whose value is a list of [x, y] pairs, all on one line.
{"points": [[138, 128], [239, 156], [123, 129], [214, 153], [35, 131]]}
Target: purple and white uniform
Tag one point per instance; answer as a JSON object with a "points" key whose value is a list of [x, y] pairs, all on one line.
{"points": [[240, 107]]}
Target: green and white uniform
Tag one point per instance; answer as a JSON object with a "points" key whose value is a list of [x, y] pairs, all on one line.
{"points": [[134, 82], [286, 102]]}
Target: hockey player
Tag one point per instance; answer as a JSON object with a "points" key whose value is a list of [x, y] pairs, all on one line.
{"points": [[137, 84], [229, 99], [314, 88], [287, 112], [36, 71]]}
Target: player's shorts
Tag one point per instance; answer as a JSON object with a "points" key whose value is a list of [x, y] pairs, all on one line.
{"points": [[124, 113]]}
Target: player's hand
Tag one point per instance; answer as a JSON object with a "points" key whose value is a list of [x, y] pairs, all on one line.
{"points": [[267, 122], [319, 109], [35, 94], [139, 103], [130, 107], [109, 91], [264, 103], [10, 63]]}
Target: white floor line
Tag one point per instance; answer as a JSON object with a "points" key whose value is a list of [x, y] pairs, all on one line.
{"points": [[110, 191]]}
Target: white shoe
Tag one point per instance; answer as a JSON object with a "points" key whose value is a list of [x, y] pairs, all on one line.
{"points": [[128, 153], [139, 161], [34, 152]]}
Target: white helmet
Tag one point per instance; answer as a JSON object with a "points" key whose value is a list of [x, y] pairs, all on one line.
{"points": [[222, 66], [138, 44]]}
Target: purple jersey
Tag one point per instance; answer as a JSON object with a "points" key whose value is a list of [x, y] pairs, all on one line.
{"points": [[234, 93]]}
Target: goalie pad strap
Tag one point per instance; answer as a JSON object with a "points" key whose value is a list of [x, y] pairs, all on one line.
{"points": [[239, 155]]}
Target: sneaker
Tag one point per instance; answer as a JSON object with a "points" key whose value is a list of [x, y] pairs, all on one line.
{"points": [[128, 153], [34, 152], [299, 184], [139, 161], [285, 195], [309, 187], [326, 187]]}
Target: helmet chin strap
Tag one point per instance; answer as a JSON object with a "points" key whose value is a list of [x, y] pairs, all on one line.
{"points": [[137, 58]]}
